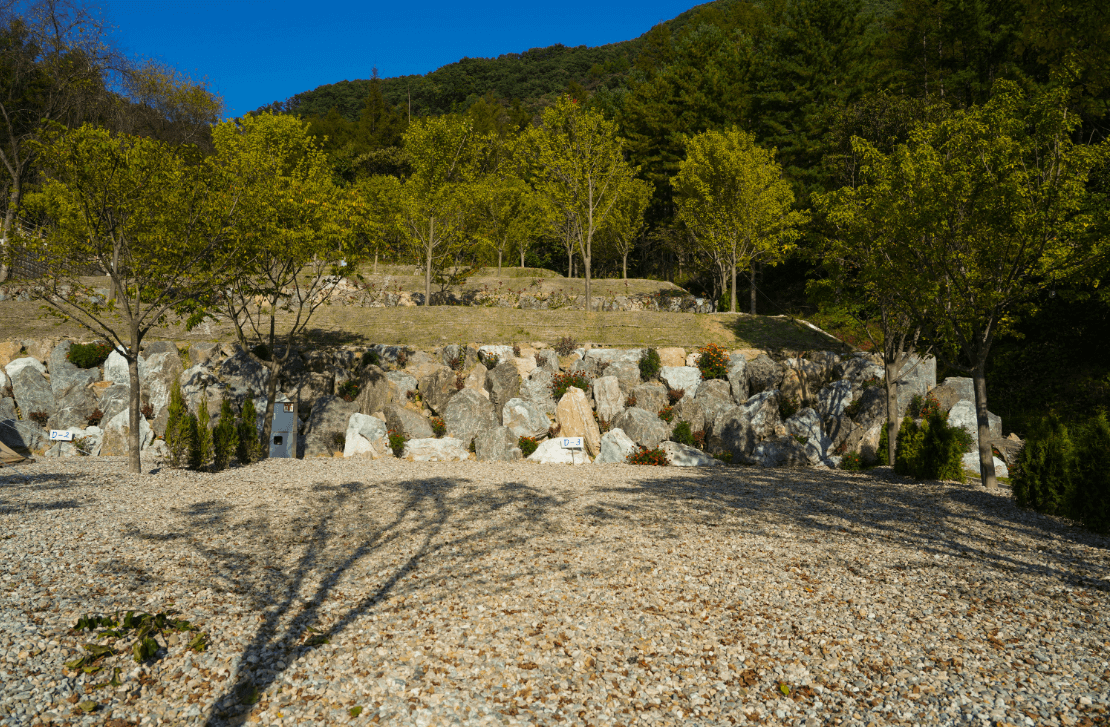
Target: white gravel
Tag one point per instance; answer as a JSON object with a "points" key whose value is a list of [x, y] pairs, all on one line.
{"points": [[475, 593]]}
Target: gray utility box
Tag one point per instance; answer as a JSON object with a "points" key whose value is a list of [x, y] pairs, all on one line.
{"points": [[283, 430]]}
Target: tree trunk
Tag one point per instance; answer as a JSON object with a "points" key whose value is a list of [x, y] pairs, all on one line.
{"points": [[986, 456], [753, 287], [586, 272], [134, 454], [570, 263], [892, 423], [732, 296], [428, 267], [624, 266], [499, 263], [271, 397], [375, 263], [521, 256], [9, 220]]}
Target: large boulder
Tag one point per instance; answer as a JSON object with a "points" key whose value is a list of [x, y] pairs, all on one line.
{"points": [[377, 391], [681, 378], [447, 449], [970, 462], [865, 440], [713, 398], [598, 361], [953, 390], [112, 400], [615, 447], [733, 433], [159, 373], [438, 388], [763, 413], [7, 408], [671, 356], [691, 411], [626, 373], [9, 351], [575, 418], [305, 389], [763, 374], [537, 389], [833, 400], [404, 383], [116, 369], [23, 436], [502, 383], [650, 396], [681, 455], [154, 347], [806, 424], [608, 397], [326, 425], [32, 392], [366, 436], [916, 378], [524, 418], [420, 364], [862, 367], [497, 445], [963, 415], [476, 379], [551, 452], [244, 376], [74, 408], [871, 406], [781, 452], [802, 379], [203, 352], [642, 426], [18, 364], [738, 376], [467, 414], [117, 431], [412, 424], [547, 359]]}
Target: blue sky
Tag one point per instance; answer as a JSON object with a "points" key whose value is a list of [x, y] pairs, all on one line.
{"points": [[256, 52]]}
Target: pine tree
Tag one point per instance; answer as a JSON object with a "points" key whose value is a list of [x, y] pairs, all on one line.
{"points": [[225, 438], [177, 431], [203, 441], [248, 448]]}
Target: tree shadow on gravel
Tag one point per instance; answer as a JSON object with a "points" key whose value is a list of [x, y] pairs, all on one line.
{"points": [[939, 520], [29, 486], [334, 536]]}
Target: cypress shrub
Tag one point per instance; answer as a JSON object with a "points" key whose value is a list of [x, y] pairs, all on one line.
{"points": [[225, 438], [192, 439], [650, 363], [177, 429], [201, 453], [1043, 476], [1091, 504], [683, 434], [932, 450], [247, 449]]}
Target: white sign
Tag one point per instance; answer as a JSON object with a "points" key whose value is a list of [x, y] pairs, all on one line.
{"points": [[61, 435], [571, 442]]}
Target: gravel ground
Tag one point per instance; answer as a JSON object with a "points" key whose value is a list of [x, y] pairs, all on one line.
{"points": [[480, 593]]}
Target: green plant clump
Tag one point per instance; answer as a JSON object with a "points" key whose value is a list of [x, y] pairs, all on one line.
{"points": [[683, 434], [650, 364], [527, 445], [88, 355], [932, 450], [348, 390], [667, 414], [655, 457], [439, 427], [177, 428], [713, 362], [371, 358], [921, 407], [788, 407], [249, 449], [852, 461], [200, 443], [561, 382], [397, 442], [225, 438]]}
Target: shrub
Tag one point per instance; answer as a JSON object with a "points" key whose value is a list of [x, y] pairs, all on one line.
{"points": [[225, 438], [397, 442], [527, 445], [921, 407], [675, 395], [561, 382], [1091, 504], [700, 440], [566, 346], [460, 382], [650, 364], [147, 410], [1043, 477], [338, 441], [177, 431], [248, 449], [655, 457], [200, 450], [348, 390], [490, 360], [725, 457], [262, 351], [630, 401], [932, 450], [402, 358], [457, 361], [683, 434], [95, 418], [666, 414], [852, 461], [854, 408], [788, 407], [439, 427], [713, 362], [871, 383], [371, 358], [88, 355], [883, 454], [39, 417], [516, 350]]}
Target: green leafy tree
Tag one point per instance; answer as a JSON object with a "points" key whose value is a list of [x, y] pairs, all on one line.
{"points": [[627, 221], [578, 165], [295, 231], [731, 195], [159, 225]]}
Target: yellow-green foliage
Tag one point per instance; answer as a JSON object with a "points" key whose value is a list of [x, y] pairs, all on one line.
{"points": [[929, 451]]}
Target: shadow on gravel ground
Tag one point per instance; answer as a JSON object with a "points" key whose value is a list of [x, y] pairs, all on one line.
{"points": [[16, 483]]}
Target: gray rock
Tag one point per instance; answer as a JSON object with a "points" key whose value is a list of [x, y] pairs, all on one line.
{"points": [[377, 391], [838, 430], [548, 359], [865, 440], [642, 426], [681, 378], [681, 455], [650, 396], [156, 453], [763, 413], [713, 398], [62, 449], [872, 405], [502, 383], [5, 384], [467, 414], [202, 353], [93, 438], [32, 392], [155, 347], [970, 462], [916, 378], [524, 418], [537, 389], [963, 415], [366, 436], [497, 445], [738, 377], [438, 388], [732, 432], [608, 398], [157, 378], [18, 364], [116, 369], [116, 432], [551, 452], [763, 374], [329, 417], [112, 401], [23, 436], [306, 388], [7, 408], [834, 399], [73, 409], [861, 368], [782, 452], [690, 410], [615, 447], [408, 422], [404, 381], [954, 389], [807, 424], [597, 361], [447, 449], [244, 376], [627, 374], [65, 377]]}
